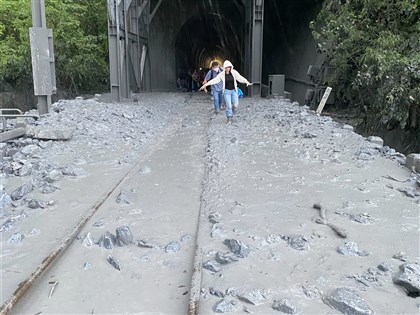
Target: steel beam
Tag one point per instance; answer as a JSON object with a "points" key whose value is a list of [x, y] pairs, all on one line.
{"points": [[257, 46], [128, 32], [154, 11], [141, 8], [114, 50]]}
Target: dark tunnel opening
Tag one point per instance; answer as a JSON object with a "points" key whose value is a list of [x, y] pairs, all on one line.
{"points": [[205, 38], [289, 47], [188, 34]]}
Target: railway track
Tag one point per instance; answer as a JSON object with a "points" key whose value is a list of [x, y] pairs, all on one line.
{"points": [[28, 288]]}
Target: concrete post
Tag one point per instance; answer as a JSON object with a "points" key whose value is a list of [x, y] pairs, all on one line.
{"points": [[39, 21]]}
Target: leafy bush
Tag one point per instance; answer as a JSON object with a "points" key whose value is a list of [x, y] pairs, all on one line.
{"points": [[374, 46], [80, 43]]}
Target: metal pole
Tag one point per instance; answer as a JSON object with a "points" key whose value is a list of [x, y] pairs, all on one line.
{"points": [[127, 51], [39, 20], [257, 46], [114, 50]]}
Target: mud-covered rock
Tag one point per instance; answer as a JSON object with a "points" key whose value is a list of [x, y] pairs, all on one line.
{"points": [[100, 223], [124, 236], [401, 256], [409, 278], [212, 265], [7, 225], [31, 150], [217, 293], [237, 247], [253, 297], [226, 306], [312, 292], [107, 240], [124, 198], [21, 191], [35, 204], [15, 239], [347, 301], [4, 200], [385, 266], [284, 306], [298, 242], [49, 133], [26, 170], [53, 176], [47, 188], [225, 258], [215, 217], [173, 247], [351, 249], [114, 262], [74, 171], [88, 240], [146, 244]]}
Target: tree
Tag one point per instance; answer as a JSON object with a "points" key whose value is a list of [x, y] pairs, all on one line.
{"points": [[80, 43], [374, 46]]}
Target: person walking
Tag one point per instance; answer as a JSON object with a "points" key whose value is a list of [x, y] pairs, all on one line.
{"points": [[229, 77], [216, 89], [195, 83]]}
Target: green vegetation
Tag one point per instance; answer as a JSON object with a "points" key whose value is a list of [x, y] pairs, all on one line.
{"points": [[374, 46], [80, 43]]}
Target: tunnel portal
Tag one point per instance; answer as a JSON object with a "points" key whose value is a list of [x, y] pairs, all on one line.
{"points": [[153, 41], [206, 38]]}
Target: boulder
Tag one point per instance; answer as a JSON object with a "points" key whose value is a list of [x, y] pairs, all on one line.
{"points": [[237, 247], [284, 306], [376, 140], [298, 242], [21, 191], [413, 161], [107, 240], [124, 236], [212, 265], [49, 133], [409, 278], [253, 297], [347, 301], [225, 258], [226, 306]]}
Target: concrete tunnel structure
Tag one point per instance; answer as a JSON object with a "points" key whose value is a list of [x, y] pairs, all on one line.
{"points": [[181, 35]]}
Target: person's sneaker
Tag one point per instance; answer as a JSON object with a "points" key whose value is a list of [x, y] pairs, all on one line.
{"points": [[216, 111], [229, 120]]}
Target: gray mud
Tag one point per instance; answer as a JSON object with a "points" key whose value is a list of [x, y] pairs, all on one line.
{"points": [[256, 182]]}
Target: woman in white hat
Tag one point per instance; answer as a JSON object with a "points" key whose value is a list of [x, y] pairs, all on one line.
{"points": [[229, 77]]}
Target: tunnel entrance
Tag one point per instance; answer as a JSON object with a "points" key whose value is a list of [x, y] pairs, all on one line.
{"points": [[205, 38], [153, 41]]}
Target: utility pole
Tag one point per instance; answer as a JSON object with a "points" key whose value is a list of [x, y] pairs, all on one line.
{"points": [[42, 51]]}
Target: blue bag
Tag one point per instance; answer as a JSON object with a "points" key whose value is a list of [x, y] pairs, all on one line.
{"points": [[240, 93]]}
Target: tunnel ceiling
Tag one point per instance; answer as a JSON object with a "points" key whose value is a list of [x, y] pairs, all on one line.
{"points": [[206, 37]]}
